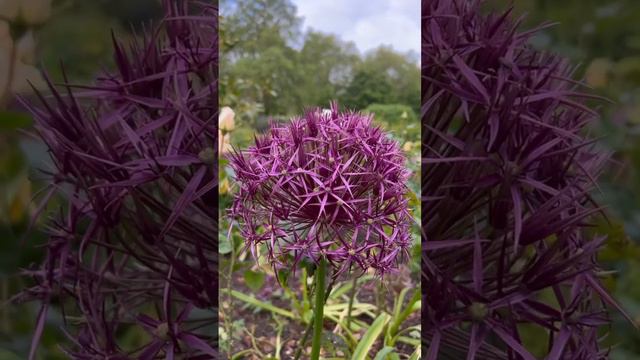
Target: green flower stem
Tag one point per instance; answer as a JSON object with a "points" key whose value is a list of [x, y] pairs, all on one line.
{"points": [[307, 331], [319, 309]]}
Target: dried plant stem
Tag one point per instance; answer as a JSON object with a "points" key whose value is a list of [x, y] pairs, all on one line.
{"points": [[318, 312]]}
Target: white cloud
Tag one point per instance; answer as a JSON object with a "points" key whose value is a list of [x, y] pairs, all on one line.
{"points": [[368, 23]]}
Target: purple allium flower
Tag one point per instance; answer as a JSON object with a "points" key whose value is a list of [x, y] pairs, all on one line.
{"points": [[329, 183], [506, 183], [134, 156]]}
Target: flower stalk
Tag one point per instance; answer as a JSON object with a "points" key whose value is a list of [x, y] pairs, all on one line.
{"points": [[318, 311]]}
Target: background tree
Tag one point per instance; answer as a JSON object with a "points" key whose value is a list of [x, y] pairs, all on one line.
{"points": [[328, 65], [271, 67]]}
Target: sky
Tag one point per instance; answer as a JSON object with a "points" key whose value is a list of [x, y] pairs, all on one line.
{"points": [[367, 23]]}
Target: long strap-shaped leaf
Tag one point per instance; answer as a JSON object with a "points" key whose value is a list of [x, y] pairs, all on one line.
{"points": [[365, 344], [261, 304]]}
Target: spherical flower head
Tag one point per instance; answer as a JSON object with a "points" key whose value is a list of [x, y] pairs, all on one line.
{"points": [[329, 184]]}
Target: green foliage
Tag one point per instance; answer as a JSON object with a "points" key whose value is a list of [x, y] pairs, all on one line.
{"points": [[258, 68], [79, 41], [261, 304], [269, 66], [399, 119], [326, 63], [254, 280], [365, 344], [397, 71], [367, 87], [386, 353], [400, 315]]}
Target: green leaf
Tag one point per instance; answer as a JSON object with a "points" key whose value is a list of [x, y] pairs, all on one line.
{"points": [[366, 342], [253, 279], [416, 354], [241, 354], [261, 304], [384, 353], [398, 303], [342, 290], [408, 340], [224, 247], [399, 317]]}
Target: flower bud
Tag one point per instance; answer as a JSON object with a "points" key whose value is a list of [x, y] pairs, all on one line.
{"points": [[226, 120]]}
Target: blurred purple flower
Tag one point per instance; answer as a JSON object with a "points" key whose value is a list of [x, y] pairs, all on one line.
{"points": [[328, 184], [135, 159], [506, 188]]}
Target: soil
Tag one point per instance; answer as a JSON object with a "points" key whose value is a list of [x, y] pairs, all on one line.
{"points": [[261, 329]]}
